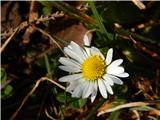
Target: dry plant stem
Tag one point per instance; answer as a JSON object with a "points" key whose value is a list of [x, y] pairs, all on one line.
{"points": [[48, 115], [25, 24], [20, 27], [143, 48], [55, 83], [8, 40], [50, 17], [128, 105], [136, 114], [139, 4], [33, 13], [32, 91], [152, 54], [37, 21], [50, 37], [26, 98]]}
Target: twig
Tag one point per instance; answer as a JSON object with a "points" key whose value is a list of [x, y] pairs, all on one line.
{"points": [[33, 12], [21, 26], [37, 21], [26, 98], [122, 32], [143, 48], [55, 83], [50, 17], [139, 4], [49, 116], [8, 40], [136, 114], [128, 105], [25, 24], [32, 91], [50, 37]]}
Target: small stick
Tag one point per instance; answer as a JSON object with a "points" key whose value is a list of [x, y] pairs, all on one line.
{"points": [[128, 105], [32, 91], [139, 4], [8, 40], [21, 26], [48, 115], [143, 48], [50, 37]]}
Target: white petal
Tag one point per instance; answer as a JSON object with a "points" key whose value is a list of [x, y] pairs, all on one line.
{"points": [[71, 87], [96, 51], [86, 41], [116, 79], [116, 63], [69, 69], [77, 49], [109, 89], [88, 51], [73, 55], [94, 93], [88, 90], [78, 91], [123, 75], [109, 56], [115, 71], [93, 96], [70, 78], [102, 88], [69, 62], [108, 79]]}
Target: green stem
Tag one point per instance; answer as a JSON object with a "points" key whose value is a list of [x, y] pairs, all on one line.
{"points": [[94, 110], [99, 21], [73, 12], [48, 66], [122, 31]]}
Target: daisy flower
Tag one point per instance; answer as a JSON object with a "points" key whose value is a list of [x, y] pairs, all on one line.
{"points": [[90, 71]]}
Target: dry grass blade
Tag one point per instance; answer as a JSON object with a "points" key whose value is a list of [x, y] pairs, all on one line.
{"points": [[139, 4], [8, 40], [20, 27], [50, 37], [31, 92], [127, 105], [48, 115]]}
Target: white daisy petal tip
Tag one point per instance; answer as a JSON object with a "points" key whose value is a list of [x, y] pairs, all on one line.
{"points": [[93, 97], [109, 56], [102, 88], [86, 40], [122, 75]]}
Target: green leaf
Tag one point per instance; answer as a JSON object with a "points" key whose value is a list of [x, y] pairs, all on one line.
{"points": [[47, 11], [63, 98], [3, 75], [114, 115], [8, 90], [99, 21], [79, 103]]}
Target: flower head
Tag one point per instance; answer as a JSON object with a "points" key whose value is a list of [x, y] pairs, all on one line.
{"points": [[90, 71]]}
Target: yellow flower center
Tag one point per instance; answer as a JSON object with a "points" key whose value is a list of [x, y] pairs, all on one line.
{"points": [[93, 68]]}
